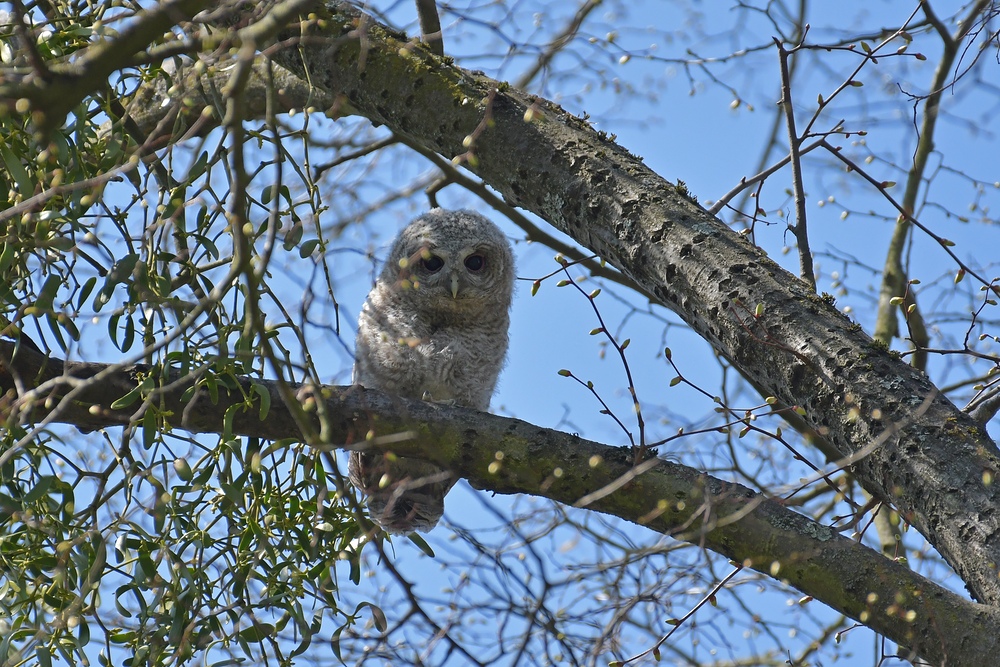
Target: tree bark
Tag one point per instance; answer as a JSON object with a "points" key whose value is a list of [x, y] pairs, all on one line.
{"points": [[507, 455], [936, 465]]}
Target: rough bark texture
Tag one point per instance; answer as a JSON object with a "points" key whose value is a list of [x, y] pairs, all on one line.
{"points": [[936, 465], [510, 456]]}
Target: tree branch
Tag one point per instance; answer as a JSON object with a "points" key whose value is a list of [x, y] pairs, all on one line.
{"points": [[430, 26], [507, 455], [800, 228], [894, 275]]}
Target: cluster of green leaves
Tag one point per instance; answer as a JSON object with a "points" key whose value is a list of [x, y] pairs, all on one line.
{"points": [[156, 548], [47, 186], [230, 551], [47, 560], [241, 547], [51, 555]]}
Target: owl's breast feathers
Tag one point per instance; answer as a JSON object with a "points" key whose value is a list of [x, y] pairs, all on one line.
{"points": [[434, 356]]}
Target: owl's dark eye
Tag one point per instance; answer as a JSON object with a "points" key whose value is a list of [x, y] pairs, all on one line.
{"points": [[432, 263], [475, 263]]}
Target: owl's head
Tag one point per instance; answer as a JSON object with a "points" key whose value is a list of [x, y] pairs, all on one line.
{"points": [[452, 260]]}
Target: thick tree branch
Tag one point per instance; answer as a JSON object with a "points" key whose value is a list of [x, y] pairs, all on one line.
{"points": [[507, 455], [937, 468]]}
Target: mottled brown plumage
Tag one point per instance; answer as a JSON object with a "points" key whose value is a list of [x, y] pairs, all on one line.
{"points": [[434, 327]]}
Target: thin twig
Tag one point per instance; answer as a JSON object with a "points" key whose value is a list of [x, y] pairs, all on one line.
{"points": [[676, 623], [761, 176], [943, 242], [430, 26], [806, 270], [557, 44]]}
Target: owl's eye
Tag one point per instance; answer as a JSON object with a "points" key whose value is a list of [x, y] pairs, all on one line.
{"points": [[475, 263], [432, 263]]}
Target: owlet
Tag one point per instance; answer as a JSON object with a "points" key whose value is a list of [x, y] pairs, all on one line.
{"points": [[434, 327]]}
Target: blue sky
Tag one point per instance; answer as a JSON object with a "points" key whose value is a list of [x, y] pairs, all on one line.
{"points": [[688, 129]]}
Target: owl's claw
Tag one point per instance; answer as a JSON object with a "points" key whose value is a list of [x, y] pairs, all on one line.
{"points": [[426, 396]]}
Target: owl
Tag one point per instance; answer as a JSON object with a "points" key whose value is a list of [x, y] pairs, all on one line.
{"points": [[434, 327]]}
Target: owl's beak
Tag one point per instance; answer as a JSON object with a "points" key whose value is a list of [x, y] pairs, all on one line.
{"points": [[454, 285]]}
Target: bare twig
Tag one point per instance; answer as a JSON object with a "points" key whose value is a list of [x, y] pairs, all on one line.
{"points": [[430, 26], [557, 44], [943, 242], [799, 229], [761, 176], [676, 623]]}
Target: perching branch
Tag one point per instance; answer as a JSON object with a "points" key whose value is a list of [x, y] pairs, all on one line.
{"points": [[750, 529]]}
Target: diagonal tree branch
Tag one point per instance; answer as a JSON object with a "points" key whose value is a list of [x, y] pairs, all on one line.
{"points": [[799, 348], [672, 499]]}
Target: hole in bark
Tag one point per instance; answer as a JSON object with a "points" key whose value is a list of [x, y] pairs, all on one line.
{"points": [[798, 374]]}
